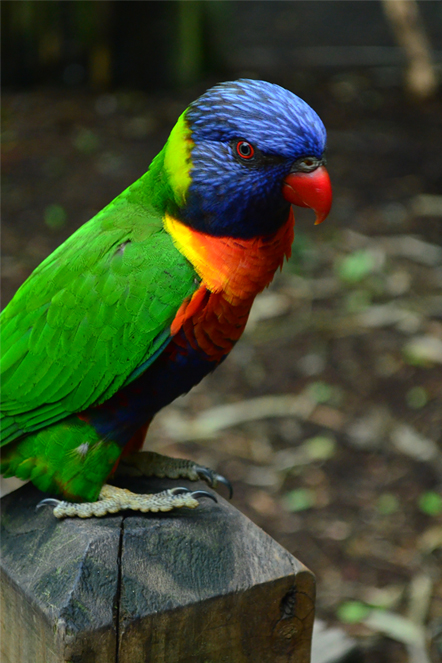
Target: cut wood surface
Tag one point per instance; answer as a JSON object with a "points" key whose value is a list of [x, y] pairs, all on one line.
{"points": [[184, 587]]}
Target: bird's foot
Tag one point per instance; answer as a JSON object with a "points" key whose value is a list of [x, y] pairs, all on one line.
{"points": [[113, 500], [149, 464]]}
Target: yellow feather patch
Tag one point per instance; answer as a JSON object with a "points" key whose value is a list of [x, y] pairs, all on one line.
{"points": [[240, 268], [192, 245], [177, 161]]}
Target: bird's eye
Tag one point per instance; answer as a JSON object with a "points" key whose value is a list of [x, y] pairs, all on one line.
{"points": [[245, 150]]}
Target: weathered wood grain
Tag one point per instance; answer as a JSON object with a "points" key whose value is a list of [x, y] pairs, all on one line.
{"points": [[59, 583], [202, 586]]}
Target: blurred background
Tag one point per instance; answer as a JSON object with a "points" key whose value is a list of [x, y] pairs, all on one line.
{"points": [[327, 416]]}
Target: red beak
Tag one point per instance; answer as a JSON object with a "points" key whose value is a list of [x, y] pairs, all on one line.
{"points": [[310, 190]]}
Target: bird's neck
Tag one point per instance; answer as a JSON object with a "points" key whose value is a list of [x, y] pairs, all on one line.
{"points": [[166, 183], [239, 268]]}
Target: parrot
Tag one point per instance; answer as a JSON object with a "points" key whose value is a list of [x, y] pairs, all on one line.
{"points": [[150, 295]]}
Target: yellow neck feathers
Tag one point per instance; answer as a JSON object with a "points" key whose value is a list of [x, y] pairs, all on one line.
{"points": [[240, 268]]}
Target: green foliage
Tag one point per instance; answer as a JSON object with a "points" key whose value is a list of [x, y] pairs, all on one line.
{"points": [[387, 504], [303, 255], [416, 398], [320, 392], [430, 503], [299, 499], [357, 301], [55, 217], [86, 141], [355, 267], [352, 612], [321, 447]]}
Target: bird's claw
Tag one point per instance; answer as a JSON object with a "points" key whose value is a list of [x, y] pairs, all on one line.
{"points": [[152, 464], [195, 494], [221, 479], [48, 501], [212, 478]]}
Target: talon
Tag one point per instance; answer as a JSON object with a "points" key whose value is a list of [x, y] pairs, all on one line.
{"points": [[203, 493], [212, 478], [205, 474], [220, 479], [48, 501], [179, 490]]}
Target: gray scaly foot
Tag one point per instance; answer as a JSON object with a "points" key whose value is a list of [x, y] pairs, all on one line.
{"points": [[151, 464], [113, 500]]}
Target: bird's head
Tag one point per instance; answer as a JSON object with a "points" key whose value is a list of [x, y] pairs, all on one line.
{"points": [[241, 154]]}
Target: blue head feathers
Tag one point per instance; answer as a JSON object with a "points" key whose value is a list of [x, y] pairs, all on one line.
{"points": [[275, 119], [241, 197]]}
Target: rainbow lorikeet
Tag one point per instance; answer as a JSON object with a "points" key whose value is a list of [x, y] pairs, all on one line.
{"points": [[150, 295]]}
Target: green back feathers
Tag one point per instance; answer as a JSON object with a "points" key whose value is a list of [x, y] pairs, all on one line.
{"points": [[93, 312]]}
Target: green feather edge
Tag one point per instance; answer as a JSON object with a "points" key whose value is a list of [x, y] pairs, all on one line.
{"points": [[93, 315]]}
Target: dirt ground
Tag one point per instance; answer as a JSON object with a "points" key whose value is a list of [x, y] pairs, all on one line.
{"points": [[327, 416]]}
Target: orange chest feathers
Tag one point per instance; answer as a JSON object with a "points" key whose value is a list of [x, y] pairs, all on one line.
{"points": [[232, 271]]}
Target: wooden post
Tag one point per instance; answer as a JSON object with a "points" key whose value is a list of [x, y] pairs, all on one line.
{"points": [[202, 586]]}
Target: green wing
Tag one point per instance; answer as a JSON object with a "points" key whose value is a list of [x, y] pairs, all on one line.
{"points": [[90, 318]]}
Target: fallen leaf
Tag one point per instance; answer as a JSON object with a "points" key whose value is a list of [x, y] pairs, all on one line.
{"points": [[210, 422], [407, 440], [326, 416], [423, 351], [398, 628]]}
